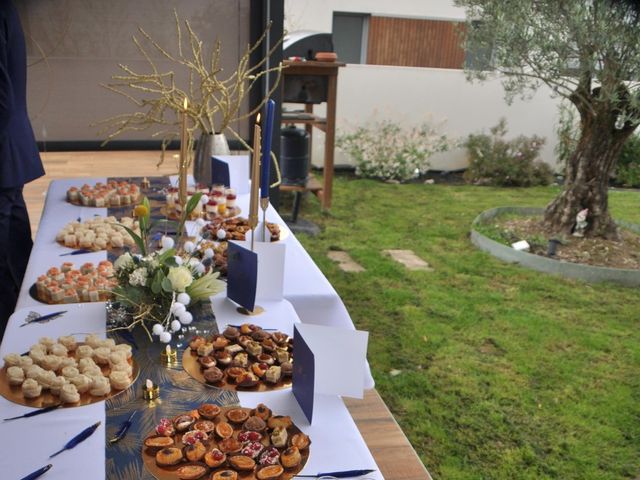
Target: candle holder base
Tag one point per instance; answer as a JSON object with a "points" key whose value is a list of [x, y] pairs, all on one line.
{"points": [[169, 360], [257, 310], [151, 394]]}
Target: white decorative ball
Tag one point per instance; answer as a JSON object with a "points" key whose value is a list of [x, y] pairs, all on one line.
{"points": [[157, 329], [189, 247], [183, 298], [185, 318], [165, 337], [204, 199], [175, 325], [200, 268], [167, 242], [200, 222], [221, 234], [193, 262], [178, 260], [178, 308], [208, 253]]}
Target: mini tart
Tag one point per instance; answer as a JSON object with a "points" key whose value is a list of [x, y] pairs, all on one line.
{"points": [[158, 442], [287, 369], [195, 452], [291, 457], [255, 424], [169, 456], [300, 440], [269, 345], [223, 358], [249, 436], [207, 361], [270, 472], [259, 369], [235, 372], [224, 430], [247, 328], [219, 342], [231, 333], [265, 358], [247, 380], [213, 375], [279, 421], [229, 445], [244, 340], [225, 475], [191, 471], [260, 335], [261, 411], [215, 458], [195, 342], [269, 456], [279, 337], [209, 411], [242, 462], [183, 423], [237, 415], [206, 426]]}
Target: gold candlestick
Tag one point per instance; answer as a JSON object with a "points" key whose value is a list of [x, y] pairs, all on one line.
{"points": [[150, 391], [255, 181], [169, 356], [184, 160]]}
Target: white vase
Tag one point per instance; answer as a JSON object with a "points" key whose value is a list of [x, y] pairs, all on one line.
{"points": [[208, 145]]}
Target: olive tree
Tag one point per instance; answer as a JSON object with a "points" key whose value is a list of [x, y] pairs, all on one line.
{"points": [[587, 51]]}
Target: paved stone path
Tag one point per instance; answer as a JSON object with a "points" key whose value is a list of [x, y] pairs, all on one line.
{"points": [[345, 262], [409, 259]]}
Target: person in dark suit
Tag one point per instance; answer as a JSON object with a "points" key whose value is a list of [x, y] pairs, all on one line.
{"points": [[19, 160]]}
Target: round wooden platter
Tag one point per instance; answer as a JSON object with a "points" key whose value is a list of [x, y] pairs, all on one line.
{"points": [[169, 473], [33, 292], [14, 393], [193, 368]]}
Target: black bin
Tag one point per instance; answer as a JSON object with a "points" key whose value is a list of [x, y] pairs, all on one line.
{"points": [[294, 156]]}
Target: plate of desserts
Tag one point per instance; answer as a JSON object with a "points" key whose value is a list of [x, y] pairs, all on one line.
{"points": [[245, 358], [67, 284], [226, 443], [98, 233], [66, 371], [223, 229], [220, 203], [110, 194]]}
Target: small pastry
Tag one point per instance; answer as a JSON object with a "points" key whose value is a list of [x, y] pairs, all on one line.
{"points": [[195, 342], [287, 369], [231, 333], [116, 357], [249, 436], [70, 372], [215, 458], [279, 437], [270, 472], [248, 380], [261, 411], [51, 362], [69, 342], [205, 349], [194, 436], [69, 393], [247, 328], [224, 430], [273, 374], [260, 335], [31, 388], [101, 355], [291, 457], [56, 385], [282, 355], [207, 361], [213, 375], [37, 353], [195, 452], [158, 442], [166, 428], [12, 360], [183, 422], [100, 386], [25, 362], [259, 369], [235, 372], [168, 456], [206, 426], [92, 371], [219, 342], [68, 362], [85, 363], [123, 348], [84, 351], [209, 410], [82, 383], [269, 456], [243, 340], [300, 440], [46, 378], [253, 348], [279, 421], [237, 415], [46, 341], [279, 337], [191, 472], [225, 475], [252, 449], [255, 424], [223, 358], [119, 380], [33, 371], [15, 375], [240, 360], [109, 343], [269, 345], [59, 350], [229, 445], [242, 462], [122, 367], [92, 340]]}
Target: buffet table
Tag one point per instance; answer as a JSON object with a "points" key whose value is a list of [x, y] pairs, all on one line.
{"points": [[337, 444]]}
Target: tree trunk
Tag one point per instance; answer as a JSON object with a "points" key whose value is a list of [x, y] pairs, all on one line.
{"points": [[587, 179]]}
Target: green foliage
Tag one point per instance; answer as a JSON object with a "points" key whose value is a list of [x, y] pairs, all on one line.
{"points": [[514, 163], [628, 170], [384, 150], [505, 373], [567, 131]]}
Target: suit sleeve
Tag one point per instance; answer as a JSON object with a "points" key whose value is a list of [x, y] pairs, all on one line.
{"points": [[6, 88]]}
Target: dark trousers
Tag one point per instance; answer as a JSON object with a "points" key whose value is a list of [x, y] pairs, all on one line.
{"points": [[15, 248]]}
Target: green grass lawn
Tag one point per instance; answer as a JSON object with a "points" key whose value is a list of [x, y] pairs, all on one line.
{"points": [[505, 373]]}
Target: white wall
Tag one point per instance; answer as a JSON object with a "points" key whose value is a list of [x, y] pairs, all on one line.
{"points": [[410, 95]]}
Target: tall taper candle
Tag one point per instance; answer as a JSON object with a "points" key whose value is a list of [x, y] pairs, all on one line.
{"points": [[182, 174], [255, 180], [266, 150]]}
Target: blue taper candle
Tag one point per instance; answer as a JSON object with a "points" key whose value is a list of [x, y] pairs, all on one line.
{"points": [[266, 150]]}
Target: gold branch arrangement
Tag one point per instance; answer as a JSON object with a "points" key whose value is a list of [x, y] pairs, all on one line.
{"points": [[214, 101]]}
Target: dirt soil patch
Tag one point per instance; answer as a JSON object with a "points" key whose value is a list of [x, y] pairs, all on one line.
{"points": [[622, 253]]}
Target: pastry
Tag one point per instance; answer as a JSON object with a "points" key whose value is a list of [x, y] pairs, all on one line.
{"points": [[205, 349], [206, 426], [219, 342], [191, 472], [122, 367], [279, 421], [237, 415], [194, 436], [215, 458], [261, 411], [270, 472], [15, 375], [291, 457], [273, 374], [84, 351], [183, 422], [69, 393], [116, 357], [11, 360], [86, 363], [269, 345], [265, 358], [46, 341], [254, 348], [51, 362], [59, 350], [255, 424], [259, 369], [196, 342], [31, 388], [69, 342], [235, 372], [92, 371], [56, 385], [209, 411], [248, 380], [300, 440], [165, 428], [25, 362], [207, 361], [45, 378], [240, 360], [223, 358], [279, 437], [242, 462], [70, 372], [213, 375], [101, 355], [287, 369], [33, 371], [158, 442], [269, 456], [225, 475], [252, 449], [224, 430], [195, 452], [68, 362], [123, 348], [100, 386], [233, 349], [119, 380], [229, 445], [231, 333], [169, 456]]}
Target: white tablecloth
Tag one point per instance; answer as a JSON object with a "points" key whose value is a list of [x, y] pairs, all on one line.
{"points": [[27, 443]]}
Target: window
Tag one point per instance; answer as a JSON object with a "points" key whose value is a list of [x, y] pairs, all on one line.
{"points": [[350, 34]]}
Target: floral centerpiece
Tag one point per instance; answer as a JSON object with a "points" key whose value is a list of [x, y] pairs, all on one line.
{"points": [[159, 287]]}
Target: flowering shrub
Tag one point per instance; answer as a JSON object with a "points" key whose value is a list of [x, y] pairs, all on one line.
{"points": [[384, 150], [513, 163]]}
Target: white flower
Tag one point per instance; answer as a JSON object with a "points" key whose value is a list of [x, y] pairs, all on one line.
{"points": [[123, 262], [175, 325], [138, 277], [167, 242], [189, 247], [208, 253], [183, 298], [185, 318], [178, 308], [200, 222], [178, 260], [157, 329], [221, 234], [180, 278], [165, 337]]}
